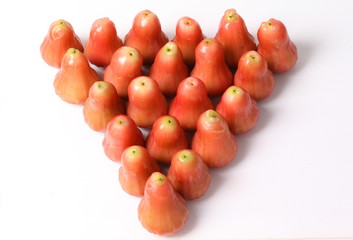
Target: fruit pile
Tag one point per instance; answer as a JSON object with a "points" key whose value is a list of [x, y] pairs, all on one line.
{"points": [[190, 71]]}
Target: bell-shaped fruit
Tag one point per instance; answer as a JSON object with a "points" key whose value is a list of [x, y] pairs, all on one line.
{"points": [[190, 101], [169, 68], [125, 65], [102, 104], [162, 210], [165, 139], [121, 132], [60, 38], [74, 79], [275, 45], [234, 37], [254, 76], [103, 41], [188, 34], [146, 35], [238, 109], [146, 101], [136, 167], [211, 68], [189, 175], [213, 140]]}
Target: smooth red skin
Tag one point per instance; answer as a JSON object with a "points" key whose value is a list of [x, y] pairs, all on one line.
{"points": [[135, 170], [162, 144], [234, 37], [118, 137], [162, 210], [123, 68], [275, 45], [214, 142], [101, 107], [103, 41], [73, 81], [187, 37], [240, 111], [190, 102], [169, 71], [211, 68], [144, 107], [190, 179], [59, 39], [146, 35], [254, 77]]}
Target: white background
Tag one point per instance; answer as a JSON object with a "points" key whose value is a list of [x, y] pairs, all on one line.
{"points": [[293, 175]]}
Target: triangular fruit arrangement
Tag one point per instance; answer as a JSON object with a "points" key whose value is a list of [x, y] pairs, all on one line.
{"points": [[192, 94]]}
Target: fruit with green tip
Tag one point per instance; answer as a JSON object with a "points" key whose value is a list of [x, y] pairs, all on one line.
{"points": [[75, 77], [136, 167], [238, 109], [125, 65], [189, 174], [102, 104], [162, 210], [103, 41], [121, 132], [168, 68], [59, 39], [254, 76], [213, 140]]}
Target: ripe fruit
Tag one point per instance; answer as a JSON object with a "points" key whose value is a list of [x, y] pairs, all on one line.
{"points": [[103, 103], [74, 79], [254, 76], [136, 167], [165, 139], [125, 65], [60, 38], [103, 41], [191, 100], [211, 68], [213, 140], [121, 132], [146, 102], [276, 46], [189, 175], [146, 35], [234, 37], [169, 68], [188, 34], [238, 109], [162, 210]]}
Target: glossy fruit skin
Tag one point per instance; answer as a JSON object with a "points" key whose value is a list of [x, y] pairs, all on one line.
{"points": [[254, 76], [276, 47], [189, 174], [190, 101], [188, 34], [102, 104], [146, 102], [162, 210], [121, 132], [60, 38], [213, 140], [165, 139], [75, 77], [146, 35], [211, 68], [169, 69], [103, 41], [233, 35], [136, 167], [238, 109], [125, 65]]}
